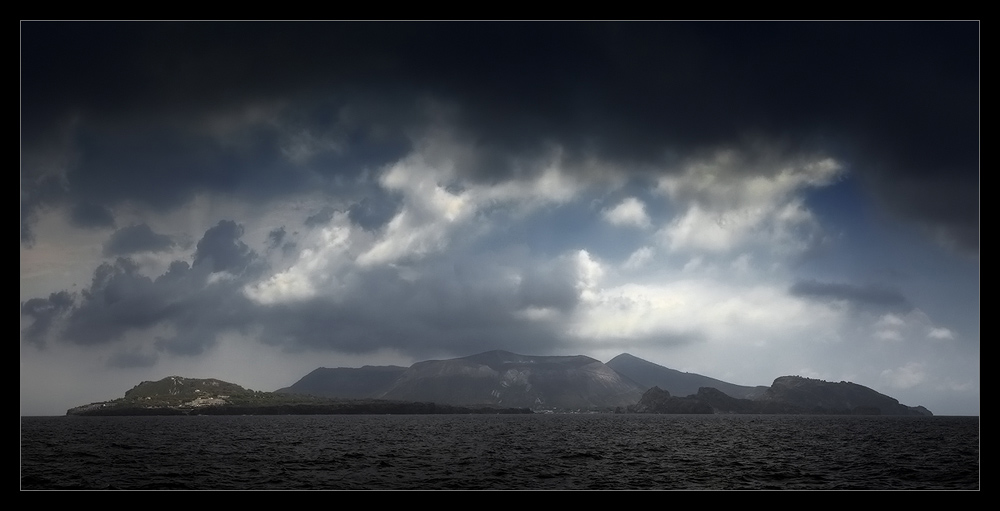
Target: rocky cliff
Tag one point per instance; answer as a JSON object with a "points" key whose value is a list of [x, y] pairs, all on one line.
{"points": [[787, 395], [818, 396]]}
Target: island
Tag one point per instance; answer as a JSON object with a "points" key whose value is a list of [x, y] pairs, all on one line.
{"points": [[177, 395], [787, 395]]}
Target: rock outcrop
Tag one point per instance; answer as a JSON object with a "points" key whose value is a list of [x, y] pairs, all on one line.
{"points": [[823, 397], [788, 395]]}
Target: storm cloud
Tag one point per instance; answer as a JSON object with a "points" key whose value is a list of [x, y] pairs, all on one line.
{"points": [[862, 296], [738, 199], [640, 94], [136, 238]]}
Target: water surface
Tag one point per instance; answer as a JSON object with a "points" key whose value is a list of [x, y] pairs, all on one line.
{"points": [[488, 452]]}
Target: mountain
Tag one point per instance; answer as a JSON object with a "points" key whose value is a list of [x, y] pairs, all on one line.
{"points": [[677, 383], [500, 382], [493, 378], [507, 379], [564, 383], [347, 382]]}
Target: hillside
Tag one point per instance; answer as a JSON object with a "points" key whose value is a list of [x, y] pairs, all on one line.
{"points": [[829, 397], [346, 382], [577, 382], [176, 395], [677, 383], [787, 395], [501, 378]]}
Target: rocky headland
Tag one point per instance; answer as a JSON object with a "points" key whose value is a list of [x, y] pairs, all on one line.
{"points": [[176, 395], [787, 395]]}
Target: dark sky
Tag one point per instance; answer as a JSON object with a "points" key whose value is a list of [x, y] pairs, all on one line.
{"points": [[250, 201]]}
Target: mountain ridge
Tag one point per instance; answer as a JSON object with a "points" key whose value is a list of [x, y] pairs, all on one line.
{"points": [[502, 378], [579, 382], [648, 374], [503, 382]]}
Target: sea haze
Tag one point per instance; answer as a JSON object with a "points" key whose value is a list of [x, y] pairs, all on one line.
{"points": [[539, 452]]}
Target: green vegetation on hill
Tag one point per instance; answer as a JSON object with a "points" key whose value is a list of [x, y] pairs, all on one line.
{"points": [[175, 395]]}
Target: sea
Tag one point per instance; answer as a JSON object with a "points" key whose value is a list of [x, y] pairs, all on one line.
{"points": [[501, 452]]}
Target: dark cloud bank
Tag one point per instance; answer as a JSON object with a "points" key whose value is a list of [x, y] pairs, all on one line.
{"points": [[138, 110], [864, 297], [453, 305]]}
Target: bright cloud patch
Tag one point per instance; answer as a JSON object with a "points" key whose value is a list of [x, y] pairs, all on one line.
{"points": [[639, 258], [437, 202], [712, 310], [913, 326], [941, 333], [439, 211], [630, 213], [316, 271], [731, 200], [905, 377]]}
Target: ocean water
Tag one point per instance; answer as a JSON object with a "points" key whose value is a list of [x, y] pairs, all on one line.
{"points": [[501, 452]]}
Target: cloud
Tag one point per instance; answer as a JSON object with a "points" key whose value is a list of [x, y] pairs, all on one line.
{"points": [[887, 334], [464, 305], [289, 120], [275, 237], [429, 211], [422, 189], [136, 238], [869, 296], [130, 359], [551, 285], [704, 309], [320, 268], [320, 218], [941, 333], [92, 216], [912, 326], [905, 377], [437, 201], [37, 193], [630, 212], [737, 198], [373, 213], [118, 299], [890, 321], [639, 258], [222, 249], [43, 313], [121, 302]]}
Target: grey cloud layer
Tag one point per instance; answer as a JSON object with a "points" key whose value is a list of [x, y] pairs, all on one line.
{"points": [[265, 109], [461, 303], [868, 296], [136, 238]]}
